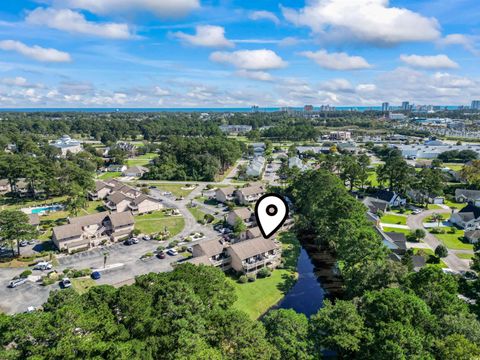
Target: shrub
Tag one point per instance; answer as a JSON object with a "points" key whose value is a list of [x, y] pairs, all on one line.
{"points": [[437, 231], [243, 279], [251, 278], [160, 248], [172, 244], [209, 218], [136, 232], [26, 273], [182, 248], [441, 251], [452, 230], [47, 281], [147, 255], [264, 272]]}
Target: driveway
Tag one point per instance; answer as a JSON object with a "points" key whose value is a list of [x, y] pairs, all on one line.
{"points": [[452, 261]]}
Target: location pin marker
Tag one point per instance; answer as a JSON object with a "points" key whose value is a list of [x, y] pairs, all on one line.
{"points": [[271, 211]]}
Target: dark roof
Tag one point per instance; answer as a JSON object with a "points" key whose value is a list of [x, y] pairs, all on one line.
{"points": [[470, 208], [468, 194], [374, 205], [472, 234], [385, 195], [398, 239], [418, 261]]}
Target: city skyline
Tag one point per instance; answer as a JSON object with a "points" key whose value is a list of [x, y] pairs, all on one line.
{"points": [[192, 53]]}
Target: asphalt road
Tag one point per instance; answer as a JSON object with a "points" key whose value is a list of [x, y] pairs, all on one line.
{"points": [[416, 222]]}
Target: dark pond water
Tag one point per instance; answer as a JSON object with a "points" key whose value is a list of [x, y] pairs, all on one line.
{"points": [[307, 295]]}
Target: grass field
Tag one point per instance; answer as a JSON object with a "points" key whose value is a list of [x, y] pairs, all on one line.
{"points": [[453, 241], [454, 205], [141, 160], [9, 204], [391, 229], [197, 213], [454, 166], [157, 221], [81, 285], [427, 253], [110, 175], [394, 219], [93, 207], [175, 189], [464, 256]]}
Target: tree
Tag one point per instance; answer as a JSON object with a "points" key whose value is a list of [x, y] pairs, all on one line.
{"points": [[339, 327], [471, 173], [438, 218], [456, 347], [396, 173], [14, 226], [430, 182], [441, 251], [239, 227], [417, 235], [76, 200], [288, 331]]}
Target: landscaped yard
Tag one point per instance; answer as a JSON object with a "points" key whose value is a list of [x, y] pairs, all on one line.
{"points": [[454, 166], [9, 204], [93, 207], [141, 160], [429, 252], [197, 213], [453, 241], [465, 256], [175, 189], [454, 205], [394, 219], [391, 229], [157, 221], [81, 285], [109, 175]]}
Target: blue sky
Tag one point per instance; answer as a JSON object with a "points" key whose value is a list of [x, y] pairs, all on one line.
{"points": [[209, 53]]}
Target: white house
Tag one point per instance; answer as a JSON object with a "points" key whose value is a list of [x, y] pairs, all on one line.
{"points": [[66, 144]]}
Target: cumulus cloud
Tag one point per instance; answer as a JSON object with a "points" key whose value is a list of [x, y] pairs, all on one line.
{"points": [[429, 62], [337, 61], [206, 36], [264, 15], [250, 59], [333, 85], [35, 52], [255, 75], [74, 22], [161, 8], [468, 42], [372, 21]]}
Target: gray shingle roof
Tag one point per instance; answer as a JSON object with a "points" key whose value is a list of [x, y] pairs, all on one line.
{"points": [[248, 248]]}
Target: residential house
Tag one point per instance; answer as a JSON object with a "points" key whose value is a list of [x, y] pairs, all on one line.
{"points": [[118, 201], [226, 194], [467, 218], [144, 204], [375, 205], [418, 262], [116, 168], [91, 230], [135, 171], [258, 148], [420, 197], [213, 252], [465, 195], [251, 255], [391, 197], [255, 167], [396, 242], [296, 162], [250, 194], [244, 214], [472, 236], [102, 189]]}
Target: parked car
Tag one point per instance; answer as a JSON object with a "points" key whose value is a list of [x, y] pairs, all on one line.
{"points": [[172, 252], [23, 243], [147, 238], [131, 241], [17, 282], [43, 265], [416, 211], [161, 255], [152, 187], [66, 283], [135, 240], [96, 275]]}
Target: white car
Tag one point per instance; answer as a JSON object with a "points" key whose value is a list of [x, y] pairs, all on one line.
{"points": [[43, 265], [66, 283], [17, 282]]}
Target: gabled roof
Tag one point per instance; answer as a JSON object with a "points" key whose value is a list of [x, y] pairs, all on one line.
{"points": [[243, 213], [88, 220], [468, 194], [252, 190], [67, 231], [469, 212], [254, 232], [99, 185], [210, 248], [385, 195], [121, 219], [136, 169], [227, 191], [200, 260], [117, 197], [472, 234], [248, 248], [374, 205], [143, 197]]}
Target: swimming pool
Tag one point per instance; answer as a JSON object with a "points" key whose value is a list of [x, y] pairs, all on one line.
{"points": [[43, 209]]}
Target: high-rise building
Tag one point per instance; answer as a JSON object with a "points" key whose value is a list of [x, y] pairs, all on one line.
{"points": [[308, 108], [385, 106], [476, 105], [405, 106]]}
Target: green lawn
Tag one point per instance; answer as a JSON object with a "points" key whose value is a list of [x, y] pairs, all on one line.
{"points": [[454, 205], [453, 241], [255, 298], [464, 256], [394, 219], [372, 178], [9, 204], [427, 253], [175, 189], [81, 285], [94, 207], [454, 166], [157, 221], [402, 211], [141, 160], [391, 229], [110, 175], [197, 213]]}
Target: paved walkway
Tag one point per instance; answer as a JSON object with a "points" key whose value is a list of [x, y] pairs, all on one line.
{"points": [[452, 261], [396, 226]]}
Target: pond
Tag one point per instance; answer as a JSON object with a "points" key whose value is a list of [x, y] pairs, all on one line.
{"points": [[307, 295]]}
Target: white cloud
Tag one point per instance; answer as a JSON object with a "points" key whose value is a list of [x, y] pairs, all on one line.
{"points": [[366, 87], [264, 15], [74, 22], [161, 92], [429, 62], [337, 61], [161, 8], [207, 36], [250, 59], [255, 75], [342, 85], [468, 42], [35, 52], [364, 20], [17, 81]]}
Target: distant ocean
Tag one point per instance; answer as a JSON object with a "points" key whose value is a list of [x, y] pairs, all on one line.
{"points": [[187, 110]]}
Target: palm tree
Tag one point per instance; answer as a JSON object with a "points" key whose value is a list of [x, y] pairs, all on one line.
{"points": [[438, 218], [105, 257]]}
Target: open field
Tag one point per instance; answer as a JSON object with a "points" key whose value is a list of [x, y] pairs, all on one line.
{"points": [[110, 175], [454, 241], [175, 189], [141, 160], [197, 213], [157, 221], [394, 219]]}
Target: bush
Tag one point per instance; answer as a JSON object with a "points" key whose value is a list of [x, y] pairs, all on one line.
{"points": [[172, 244], [147, 255], [182, 248], [209, 218], [160, 248], [437, 231], [264, 272], [452, 230], [243, 279], [441, 251], [26, 273], [47, 281], [136, 232], [251, 278]]}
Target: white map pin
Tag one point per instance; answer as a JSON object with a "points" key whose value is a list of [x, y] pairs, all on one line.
{"points": [[271, 211]]}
